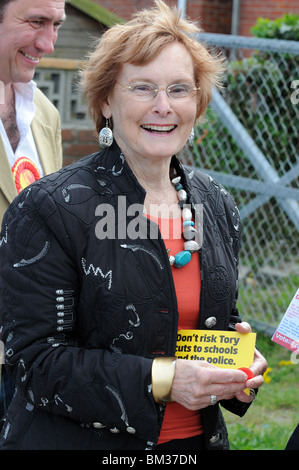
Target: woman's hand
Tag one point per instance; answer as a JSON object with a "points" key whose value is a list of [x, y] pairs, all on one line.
{"points": [[258, 367], [196, 381]]}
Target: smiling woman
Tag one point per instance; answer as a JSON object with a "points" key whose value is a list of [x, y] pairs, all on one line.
{"points": [[137, 43], [149, 124], [107, 259]]}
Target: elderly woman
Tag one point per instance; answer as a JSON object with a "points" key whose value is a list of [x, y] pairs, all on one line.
{"points": [[93, 292]]}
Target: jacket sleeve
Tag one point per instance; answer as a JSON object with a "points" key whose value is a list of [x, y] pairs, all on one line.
{"points": [[49, 366]]}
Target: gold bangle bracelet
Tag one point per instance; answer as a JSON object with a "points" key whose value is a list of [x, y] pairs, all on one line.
{"points": [[163, 370]]}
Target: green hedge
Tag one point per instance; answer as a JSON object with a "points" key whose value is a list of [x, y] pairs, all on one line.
{"points": [[286, 27]]}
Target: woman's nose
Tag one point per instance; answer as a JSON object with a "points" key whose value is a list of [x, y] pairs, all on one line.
{"points": [[162, 103]]}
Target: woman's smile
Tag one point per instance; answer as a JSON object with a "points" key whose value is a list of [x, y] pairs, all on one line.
{"points": [[158, 128]]}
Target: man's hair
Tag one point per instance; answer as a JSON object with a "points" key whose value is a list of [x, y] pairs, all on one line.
{"points": [[138, 42], [3, 6]]}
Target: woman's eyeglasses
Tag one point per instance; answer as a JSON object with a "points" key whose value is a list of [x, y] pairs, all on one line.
{"points": [[148, 91]]}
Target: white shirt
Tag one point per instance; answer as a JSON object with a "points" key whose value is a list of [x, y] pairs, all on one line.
{"points": [[25, 111]]}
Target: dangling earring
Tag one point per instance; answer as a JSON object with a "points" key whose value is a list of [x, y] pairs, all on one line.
{"points": [[106, 136], [191, 137]]}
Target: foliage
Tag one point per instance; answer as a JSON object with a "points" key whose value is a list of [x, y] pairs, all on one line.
{"points": [[269, 117], [258, 89], [271, 419], [286, 27], [263, 296]]}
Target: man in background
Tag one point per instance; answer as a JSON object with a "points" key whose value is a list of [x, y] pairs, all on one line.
{"points": [[30, 132]]}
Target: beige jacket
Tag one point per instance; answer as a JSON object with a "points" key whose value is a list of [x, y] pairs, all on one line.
{"points": [[46, 130]]}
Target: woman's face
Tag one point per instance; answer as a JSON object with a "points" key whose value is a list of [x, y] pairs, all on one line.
{"points": [[157, 128]]}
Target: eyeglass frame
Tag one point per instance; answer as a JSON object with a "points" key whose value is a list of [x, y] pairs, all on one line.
{"points": [[156, 90]]}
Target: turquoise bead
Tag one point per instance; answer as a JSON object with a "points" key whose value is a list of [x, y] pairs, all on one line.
{"points": [[188, 222], [182, 258]]}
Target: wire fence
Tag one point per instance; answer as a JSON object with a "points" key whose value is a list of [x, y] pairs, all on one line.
{"points": [[249, 143]]}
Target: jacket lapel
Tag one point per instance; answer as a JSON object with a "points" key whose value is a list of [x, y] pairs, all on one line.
{"points": [[43, 137], [7, 183]]}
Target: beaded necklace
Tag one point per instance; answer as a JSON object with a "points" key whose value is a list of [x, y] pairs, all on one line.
{"points": [[189, 232]]}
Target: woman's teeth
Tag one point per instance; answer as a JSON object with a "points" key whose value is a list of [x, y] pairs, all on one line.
{"points": [[162, 129]]}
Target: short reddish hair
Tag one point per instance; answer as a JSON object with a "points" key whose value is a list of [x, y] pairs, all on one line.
{"points": [[138, 42]]}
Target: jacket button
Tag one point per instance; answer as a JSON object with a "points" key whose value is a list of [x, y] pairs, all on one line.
{"points": [[114, 430], [98, 425], [131, 430], [210, 322], [215, 438]]}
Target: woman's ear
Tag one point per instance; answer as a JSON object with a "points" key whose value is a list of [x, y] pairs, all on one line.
{"points": [[105, 108]]}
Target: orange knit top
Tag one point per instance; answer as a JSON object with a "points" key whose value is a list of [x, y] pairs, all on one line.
{"points": [[179, 422]]}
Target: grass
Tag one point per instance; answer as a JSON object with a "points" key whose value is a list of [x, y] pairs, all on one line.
{"points": [[267, 300], [271, 419]]}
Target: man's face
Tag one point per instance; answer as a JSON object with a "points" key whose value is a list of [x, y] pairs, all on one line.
{"points": [[28, 31]]}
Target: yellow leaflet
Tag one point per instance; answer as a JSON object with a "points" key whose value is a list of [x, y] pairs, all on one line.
{"points": [[224, 349]]}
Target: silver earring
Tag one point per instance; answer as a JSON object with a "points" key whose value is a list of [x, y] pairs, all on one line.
{"points": [[191, 137], [106, 136]]}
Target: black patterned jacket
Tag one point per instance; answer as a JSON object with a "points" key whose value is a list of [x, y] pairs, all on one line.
{"points": [[83, 316]]}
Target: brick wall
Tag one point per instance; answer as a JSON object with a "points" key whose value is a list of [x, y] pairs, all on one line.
{"points": [[78, 143], [214, 15], [125, 8]]}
